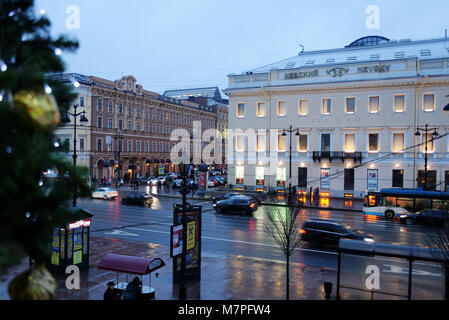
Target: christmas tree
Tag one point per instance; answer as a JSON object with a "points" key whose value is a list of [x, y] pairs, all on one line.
{"points": [[31, 105]]}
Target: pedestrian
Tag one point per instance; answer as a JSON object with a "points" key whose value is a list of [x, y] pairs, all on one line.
{"points": [[111, 292], [133, 290], [158, 185], [137, 184]]}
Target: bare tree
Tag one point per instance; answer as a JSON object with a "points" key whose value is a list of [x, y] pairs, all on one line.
{"points": [[436, 238], [283, 224]]}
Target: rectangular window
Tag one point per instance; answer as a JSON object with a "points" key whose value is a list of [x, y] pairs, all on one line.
{"points": [[167, 147], [281, 176], [99, 122], [138, 111], [349, 142], [282, 142], [349, 179], [282, 108], [130, 144], [373, 142], [147, 127], [261, 143], [374, 104], [145, 146], [145, 112], [161, 129], [99, 104], [167, 116], [239, 174], [260, 176], [99, 145], [302, 143], [303, 107], [326, 142], [427, 139], [350, 105], [429, 102], [110, 123], [398, 142], [240, 143], [81, 101], [153, 147], [82, 145], [110, 106], [399, 103], [138, 126], [326, 108], [161, 147], [302, 177], [120, 108], [240, 110], [129, 110], [154, 130], [120, 124], [261, 109], [129, 125], [138, 146], [398, 178]]}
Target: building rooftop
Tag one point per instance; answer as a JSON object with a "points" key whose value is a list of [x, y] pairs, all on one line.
{"points": [[208, 92]]}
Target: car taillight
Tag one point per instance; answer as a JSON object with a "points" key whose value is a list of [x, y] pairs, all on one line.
{"points": [[302, 231], [252, 205]]}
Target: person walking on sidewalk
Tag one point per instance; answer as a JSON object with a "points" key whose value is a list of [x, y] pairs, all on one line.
{"points": [[111, 292]]}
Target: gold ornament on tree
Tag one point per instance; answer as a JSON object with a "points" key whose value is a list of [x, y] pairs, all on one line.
{"points": [[37, 109], [34, 284]]}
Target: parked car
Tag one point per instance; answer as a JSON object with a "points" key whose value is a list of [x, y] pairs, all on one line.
{"points": [[224, 196], [432, 217], [322, 232], [219, 180], [105, 193], [152, 181], [138, 198], [161, 179], [212, 183], [236, 204]]}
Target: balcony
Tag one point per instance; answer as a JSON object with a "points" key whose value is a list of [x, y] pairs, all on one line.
{"points": [[337, 155]]}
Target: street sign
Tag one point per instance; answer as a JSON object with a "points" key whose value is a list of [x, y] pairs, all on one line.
{"points": [[161, 171], [290, 180], [190, 235]]}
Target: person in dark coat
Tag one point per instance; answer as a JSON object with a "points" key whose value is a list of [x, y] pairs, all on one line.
{"points": [[111, 292], [133, 290]]}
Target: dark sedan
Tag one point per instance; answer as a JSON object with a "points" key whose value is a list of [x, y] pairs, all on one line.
{"points": [[236, 204], [321, 232], [137, 198], [429, 217]]}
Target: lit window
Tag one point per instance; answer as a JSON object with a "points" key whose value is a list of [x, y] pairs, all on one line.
{"points": [[261, 143], [374, 104], [282, 143], [302, 143], [260, 176], [427, 139], [373, 142], [398, 142], [282, 108], [240, 110], [281, 176], [239, 174], [261, 109], [429, 103], [240, 145], [399, 103], [327, 103], [349, 142], [350, 105], [303, 107]]}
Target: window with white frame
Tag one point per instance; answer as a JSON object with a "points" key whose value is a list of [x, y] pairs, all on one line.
{"points": [[129, 125], [99, 104], [303, 107], [350, 105], [145, 147], [327, 106], [99, 122], [120, 124], [110, 123], [81, 101], [138, 146], [428, 102], [240, 143], [282, 142], [374, 104], [239, 174], [349, 142], [282, 108], [399, 103], [147, 127], [240, 110], [138, 126], [99, 144], [398, 142], [110, 106], [260, 176], [130, 144], [261, 141], [373, 142], [302, 142], [427, 139], [261, 109]]}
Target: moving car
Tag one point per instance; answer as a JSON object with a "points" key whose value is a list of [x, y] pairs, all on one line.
{"points": [[105, 193], [212, 183], [236, 204], [323, 232], [219, 179], [432, 217], [224, 196], [138, 198]]}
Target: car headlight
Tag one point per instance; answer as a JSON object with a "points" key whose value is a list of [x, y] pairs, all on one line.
{"points": [[403, 216], [214, 205], [368, 240]]}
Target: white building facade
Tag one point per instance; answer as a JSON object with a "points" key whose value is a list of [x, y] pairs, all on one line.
{"points": [[354, 114]]}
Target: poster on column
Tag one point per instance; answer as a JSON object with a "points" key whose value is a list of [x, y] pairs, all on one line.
{"points": [[325, 182], [372, 180]]}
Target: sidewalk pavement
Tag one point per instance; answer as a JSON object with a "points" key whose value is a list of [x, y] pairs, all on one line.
{"points": [[223, 277]]}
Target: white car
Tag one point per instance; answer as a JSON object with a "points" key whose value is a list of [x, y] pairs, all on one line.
{"points": [[105, 193]]}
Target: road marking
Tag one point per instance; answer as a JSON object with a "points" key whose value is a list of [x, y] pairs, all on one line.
{"points": [[122, 233]]}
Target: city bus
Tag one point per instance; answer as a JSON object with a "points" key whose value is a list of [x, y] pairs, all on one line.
{"points": [[393, 202]]}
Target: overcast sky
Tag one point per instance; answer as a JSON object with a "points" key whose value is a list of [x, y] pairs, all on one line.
{"points": [[175, 44]]}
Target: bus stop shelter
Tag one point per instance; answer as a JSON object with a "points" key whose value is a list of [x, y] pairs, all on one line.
{"points": [[409, 256]]}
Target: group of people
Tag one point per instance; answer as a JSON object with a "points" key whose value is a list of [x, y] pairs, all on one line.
{"points": [[133, 291]]}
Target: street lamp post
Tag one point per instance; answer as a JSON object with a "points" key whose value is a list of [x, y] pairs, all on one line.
{"points": [[290, 130], [434, 134], [184, 169], [119, 138], [83, 118]]}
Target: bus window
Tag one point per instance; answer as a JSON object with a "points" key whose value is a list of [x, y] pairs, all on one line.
{"points": [[440, 204], [390, 201], [406, 203], [422, 204]]}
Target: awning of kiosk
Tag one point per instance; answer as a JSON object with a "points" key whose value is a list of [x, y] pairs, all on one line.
{"points": [[130, 264]]}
